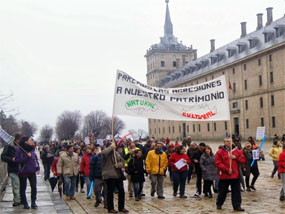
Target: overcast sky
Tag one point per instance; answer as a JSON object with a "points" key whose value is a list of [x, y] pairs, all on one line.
{"points": [[58, 55]]}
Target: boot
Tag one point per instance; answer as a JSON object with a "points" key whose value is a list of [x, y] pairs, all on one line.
{"points": [[26, 205], [34, 205]]}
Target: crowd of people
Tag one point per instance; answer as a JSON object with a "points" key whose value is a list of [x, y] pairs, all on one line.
{"points": [[107, 166]]}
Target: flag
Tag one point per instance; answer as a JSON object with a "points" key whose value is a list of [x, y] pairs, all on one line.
{"points": [[230, 86]]}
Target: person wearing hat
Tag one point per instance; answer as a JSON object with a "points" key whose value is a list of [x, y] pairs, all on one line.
{"points": [[68, 164], [247, 169]]}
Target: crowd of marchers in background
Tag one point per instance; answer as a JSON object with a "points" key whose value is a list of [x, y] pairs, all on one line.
{"points": [[103, 168]]}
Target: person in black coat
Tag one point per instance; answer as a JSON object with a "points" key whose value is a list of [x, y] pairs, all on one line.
{"points": [[136, 170], [47, 158], [196, 159], [8, 156]]}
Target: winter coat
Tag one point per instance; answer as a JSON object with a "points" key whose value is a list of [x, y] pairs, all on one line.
{"points": [[222, 160], [281, 162], [275, 152], [156, 164], [54, 166], [7, 155], [208, 166], [108, 164], [47, 157], [95, 170], [85, 164], [27, 165], [248, 160], [190, 153], [196, 156], [176, 157], [136, 170], [68, 164]]}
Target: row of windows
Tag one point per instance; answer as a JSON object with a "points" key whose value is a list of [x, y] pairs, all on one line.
{"points": [[259, 80], [262, 122], [187, 128], [272, 99]]}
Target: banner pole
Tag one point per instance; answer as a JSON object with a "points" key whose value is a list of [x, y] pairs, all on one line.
{"points": [[231, 147]]}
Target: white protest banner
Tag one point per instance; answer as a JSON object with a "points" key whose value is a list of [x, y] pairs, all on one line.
{"points": [[207, 101], [5, 136], [260, 132]]}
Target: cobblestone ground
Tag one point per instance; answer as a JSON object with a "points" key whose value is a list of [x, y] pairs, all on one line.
{"points": [[264, 200]]}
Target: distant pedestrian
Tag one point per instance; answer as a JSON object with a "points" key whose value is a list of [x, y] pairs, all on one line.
{"points": [[84, 168], [8, 156], [29, 168], [179, 175], [209, 170], [47, 158], [274, 152], [190, 151]]}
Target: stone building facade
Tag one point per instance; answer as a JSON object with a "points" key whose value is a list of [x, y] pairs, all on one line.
{"points": [[254, 64]]}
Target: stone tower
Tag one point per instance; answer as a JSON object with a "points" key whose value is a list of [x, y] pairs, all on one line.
{"points": [[168, 55]]}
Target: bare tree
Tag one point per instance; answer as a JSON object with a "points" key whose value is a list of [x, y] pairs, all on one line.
{"points": [[46, 133], [28, 128], [119, 125], [95, 122], [67, 124]]}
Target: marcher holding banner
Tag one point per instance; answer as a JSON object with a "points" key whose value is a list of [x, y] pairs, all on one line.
{"points": [[229, 174]]}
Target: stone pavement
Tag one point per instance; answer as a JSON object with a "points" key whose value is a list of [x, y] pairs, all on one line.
{"points": [[264, 201], [47, 202]]}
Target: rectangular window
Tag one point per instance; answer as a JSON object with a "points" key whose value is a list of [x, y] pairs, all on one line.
{"points": [[271, 77], [270, 58], [226, 125], [162, 64], [245, 84], [272, 100], [173, 130], [261, 102], [246, 104], [273, 122], [150, 131], [215, 127], [206, 79], [163, 130], [234, 87], [213, 77], [244, 67], [169, 130], [234, 70], [187, 128], [199, 127], [193, 127], [259, 61], [262, 121], [260, 80], [247, 123], [235, 104], [179, 129], [158, 130], [208, 126], [154, 130], [174, 64]]}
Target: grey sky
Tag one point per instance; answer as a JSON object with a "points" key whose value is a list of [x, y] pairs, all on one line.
{"points": [[61, 55]]}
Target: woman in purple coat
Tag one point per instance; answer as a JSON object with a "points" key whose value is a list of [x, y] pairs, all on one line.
{"points": [[28, 169]]}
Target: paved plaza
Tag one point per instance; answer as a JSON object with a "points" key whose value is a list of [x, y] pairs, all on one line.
{"points": [[264, 200]]}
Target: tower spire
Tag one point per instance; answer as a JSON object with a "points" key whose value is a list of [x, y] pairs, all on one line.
{"points": [[168, 27]]}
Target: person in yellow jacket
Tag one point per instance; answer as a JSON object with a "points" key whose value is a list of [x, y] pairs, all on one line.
{"points": [[156, 164], [274, 152]]}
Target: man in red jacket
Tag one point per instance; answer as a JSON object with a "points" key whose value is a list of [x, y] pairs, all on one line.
{"points": [[227, 162]]}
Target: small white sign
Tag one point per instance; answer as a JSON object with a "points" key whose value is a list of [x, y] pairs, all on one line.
{"points": [[100, 142], [87, 142], [260, 133], [255, 154]]}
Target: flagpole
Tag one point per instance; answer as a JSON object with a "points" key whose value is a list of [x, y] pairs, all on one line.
{"points": [[230, 126]]}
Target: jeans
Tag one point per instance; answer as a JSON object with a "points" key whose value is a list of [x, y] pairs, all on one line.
{"points": [[69, 183], [23, 185], [88, 183], [179, 179], [138, 188], [275, 169], [223, 191], [81, 180], [15, 182], [46, 171], [130, 186], [111, 184], [190, 171], [157, 184]]}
